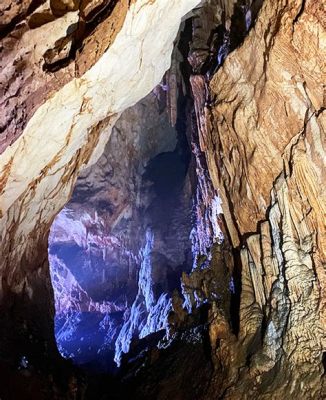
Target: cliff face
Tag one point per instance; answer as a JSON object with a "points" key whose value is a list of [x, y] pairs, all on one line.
{"points": [[256, 74]]}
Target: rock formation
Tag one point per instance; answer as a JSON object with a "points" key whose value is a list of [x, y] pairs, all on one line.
{"points": [[262, 130], [250, 322]]}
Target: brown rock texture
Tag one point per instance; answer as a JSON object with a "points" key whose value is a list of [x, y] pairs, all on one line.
{"points": [[260, 112], [264, 139], [44, 45]]}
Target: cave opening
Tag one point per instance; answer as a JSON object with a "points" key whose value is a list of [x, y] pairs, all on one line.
{"points": [[139, 263], [140, 221], [138, 259], [118, 249]]}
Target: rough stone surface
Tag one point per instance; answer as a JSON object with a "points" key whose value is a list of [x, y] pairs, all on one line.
{"points": [[261, 124], [264, 139], [258, 74], [43, 46]]}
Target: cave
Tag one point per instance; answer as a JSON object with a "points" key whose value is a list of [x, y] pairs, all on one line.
{"points": [[118, 249], [162, 200]]}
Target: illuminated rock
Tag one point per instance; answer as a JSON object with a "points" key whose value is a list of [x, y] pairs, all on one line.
{"points": [[58, 123]]}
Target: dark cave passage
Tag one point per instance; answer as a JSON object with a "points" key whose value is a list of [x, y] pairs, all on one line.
{"points": [[138, 259], [123, 250], [113, 280], [133, 254], [136, 251]]}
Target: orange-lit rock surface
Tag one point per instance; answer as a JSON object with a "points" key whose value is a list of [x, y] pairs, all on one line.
{"points": [[44, 45], [264, 139]]}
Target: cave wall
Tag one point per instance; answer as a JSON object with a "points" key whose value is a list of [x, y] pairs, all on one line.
{"points": [[260, 110], [262, 128], [257, 80]]}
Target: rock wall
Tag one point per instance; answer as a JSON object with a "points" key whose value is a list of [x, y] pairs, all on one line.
{"points": [[44, 45], [257, 80], [262, 129]]}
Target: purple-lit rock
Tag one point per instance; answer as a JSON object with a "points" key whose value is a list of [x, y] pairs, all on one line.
{"points": [[206, 212], [80, 321], [147, 315], [102, 238]]}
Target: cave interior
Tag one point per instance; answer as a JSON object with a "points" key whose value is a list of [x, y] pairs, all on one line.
{"points": [[162, 210]]}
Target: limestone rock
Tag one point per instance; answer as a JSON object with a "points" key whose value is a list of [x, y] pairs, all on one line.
{"points": [[265, 148], [258, 74]]}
